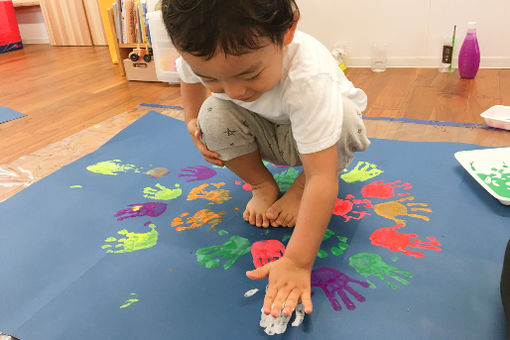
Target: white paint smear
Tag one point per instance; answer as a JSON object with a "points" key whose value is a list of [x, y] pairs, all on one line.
{"points": [[251, 292]]}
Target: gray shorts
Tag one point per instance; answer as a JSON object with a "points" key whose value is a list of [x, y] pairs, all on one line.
{"points": [[233, 131]]}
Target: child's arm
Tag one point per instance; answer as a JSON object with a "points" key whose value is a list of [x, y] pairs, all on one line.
{"points": [[193, 95], [289, 277]]}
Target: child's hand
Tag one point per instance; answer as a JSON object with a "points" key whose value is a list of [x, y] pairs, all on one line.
{"points": [[194, 131], [288, 283]]}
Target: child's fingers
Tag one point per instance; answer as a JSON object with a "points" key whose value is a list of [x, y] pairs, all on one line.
{"points": [[306, 300], [292, 301], [269, 299], [279, 301]]}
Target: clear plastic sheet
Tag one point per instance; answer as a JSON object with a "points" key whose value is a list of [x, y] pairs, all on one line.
{"points": [[28, 169]]}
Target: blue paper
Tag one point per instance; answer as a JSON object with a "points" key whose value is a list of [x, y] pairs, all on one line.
{"points": [[7, 114], [58, 280]]}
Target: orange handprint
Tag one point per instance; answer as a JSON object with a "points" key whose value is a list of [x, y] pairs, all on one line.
{"points": [[217, 195], [201, 217], [392, 209]]}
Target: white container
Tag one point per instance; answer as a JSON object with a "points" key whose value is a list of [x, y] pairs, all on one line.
{"points": [[164, 51], [497, 116]]}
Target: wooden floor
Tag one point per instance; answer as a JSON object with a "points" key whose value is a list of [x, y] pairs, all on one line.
{"points": [[64, 90]]}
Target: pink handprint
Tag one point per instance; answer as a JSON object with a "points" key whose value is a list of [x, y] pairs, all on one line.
{"points": [[332, 282], [380, 189], [197, 173], [266, 251], [152, 209], [393, 240], [344, 207]]}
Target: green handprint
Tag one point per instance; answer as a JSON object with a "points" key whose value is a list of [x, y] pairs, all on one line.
{"points": [[285, 178], [111, 167], [363, 171], [233, 249], [338, 250], [497, 179], [133, 241], [368, 264], [162, 192]]}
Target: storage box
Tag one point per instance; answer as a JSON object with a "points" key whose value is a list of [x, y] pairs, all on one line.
{"points": [[165, 53], [497, 116], [140, 70]]}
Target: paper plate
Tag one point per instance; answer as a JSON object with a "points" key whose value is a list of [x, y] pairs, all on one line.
{"points": [[490, 168]]}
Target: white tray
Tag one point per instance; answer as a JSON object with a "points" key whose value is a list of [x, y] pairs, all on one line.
{"points": [[490, 168], [498, 116]]}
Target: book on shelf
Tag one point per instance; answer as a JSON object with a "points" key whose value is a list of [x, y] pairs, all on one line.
{"points": [[130, 18]]}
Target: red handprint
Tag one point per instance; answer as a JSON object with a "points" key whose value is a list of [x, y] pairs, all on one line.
{"points": [[393, 240], [266, 251], [332, 282], [343, 207], [380, 189]]}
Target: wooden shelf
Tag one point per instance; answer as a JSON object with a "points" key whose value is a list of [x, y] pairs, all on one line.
{"points": [[25, 3], [122, 50]]}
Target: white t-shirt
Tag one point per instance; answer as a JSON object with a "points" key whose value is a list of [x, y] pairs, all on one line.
{"points": [[308, 96]]}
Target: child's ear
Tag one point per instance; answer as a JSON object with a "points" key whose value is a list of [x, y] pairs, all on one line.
{"points": [[287, 38]]}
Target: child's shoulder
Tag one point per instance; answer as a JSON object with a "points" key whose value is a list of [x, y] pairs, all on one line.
{"points": [[306, 57]]}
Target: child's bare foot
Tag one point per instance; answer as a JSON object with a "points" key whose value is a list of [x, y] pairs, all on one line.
{"points": [[264, 195], [285, 210]]}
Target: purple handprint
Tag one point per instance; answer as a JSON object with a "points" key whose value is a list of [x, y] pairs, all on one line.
{"points": [[333, 281], [152, 209], [197, 173]]}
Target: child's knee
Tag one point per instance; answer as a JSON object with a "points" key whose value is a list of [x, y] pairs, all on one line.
{"points": [[223, 128]]}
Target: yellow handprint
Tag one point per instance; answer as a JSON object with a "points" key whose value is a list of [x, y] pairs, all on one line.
{"points": [[392, 209]]}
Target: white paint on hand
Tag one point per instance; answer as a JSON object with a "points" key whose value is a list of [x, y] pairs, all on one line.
{"points": [[279, 324], [251, 292]]}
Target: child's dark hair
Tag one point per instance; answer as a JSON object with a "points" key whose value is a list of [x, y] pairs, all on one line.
{"points": [[202, 27]]}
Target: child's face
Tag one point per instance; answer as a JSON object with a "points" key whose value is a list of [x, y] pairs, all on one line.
{"points": [[245, 77]]}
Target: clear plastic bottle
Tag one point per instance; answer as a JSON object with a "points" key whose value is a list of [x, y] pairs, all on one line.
{"points": [[469, 55]]}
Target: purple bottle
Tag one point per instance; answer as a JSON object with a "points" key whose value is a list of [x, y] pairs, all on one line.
{"points": [[469, 55]]}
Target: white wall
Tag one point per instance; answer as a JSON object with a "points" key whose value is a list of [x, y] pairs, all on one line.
{"points": [[31, 25], [413, 29]]}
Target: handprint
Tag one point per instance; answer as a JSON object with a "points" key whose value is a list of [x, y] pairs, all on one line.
{"points": [[162, 193], [285, 178], [266, 251], [152, 209], [197, 173], [380, 189], [217, 195], [279, 324], [133, 241], [393, 240], [338, 250], [112, 167], [363, 171], [393, 209], [201, 217], [332, 282], [157, 172], [233, 249], [343, 207], [368, 264]]}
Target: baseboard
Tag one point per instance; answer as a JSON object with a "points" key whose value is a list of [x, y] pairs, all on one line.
{"points": [[426, 62], [34, 41]]}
